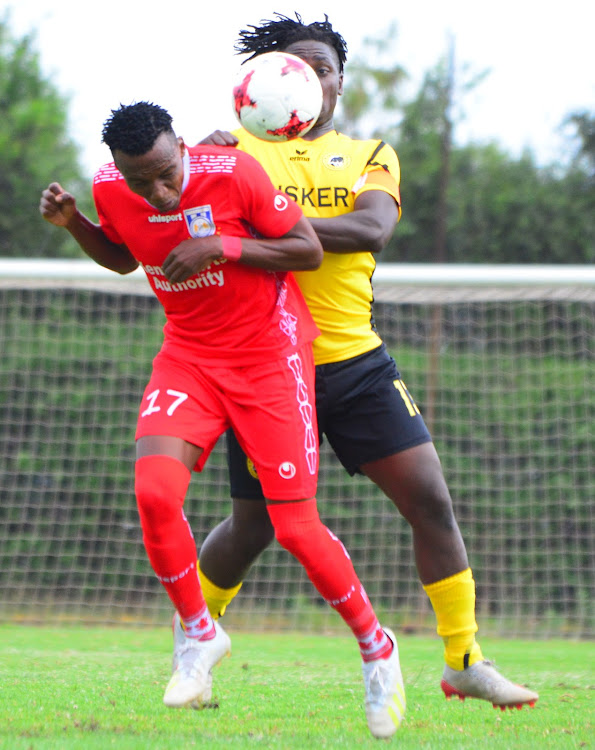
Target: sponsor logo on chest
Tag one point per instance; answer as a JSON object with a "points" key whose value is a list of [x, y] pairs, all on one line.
{"points": [[199, 220]]}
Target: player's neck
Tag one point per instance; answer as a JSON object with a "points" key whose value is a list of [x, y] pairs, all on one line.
{"points": [[319, 131]]}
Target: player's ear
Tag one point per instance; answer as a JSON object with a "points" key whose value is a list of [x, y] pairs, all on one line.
{"points": [[340, 89], [181, 145]]}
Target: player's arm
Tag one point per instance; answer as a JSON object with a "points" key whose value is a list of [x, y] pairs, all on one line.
{"points": [[219, 138], [367, 228], [59, 208], [297, 250]]}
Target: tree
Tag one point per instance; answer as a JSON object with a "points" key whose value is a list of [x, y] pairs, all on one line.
{"points": [[470, 203], [506, 210], [371, 101], [419, 139], [583, 125], [34, 149]]}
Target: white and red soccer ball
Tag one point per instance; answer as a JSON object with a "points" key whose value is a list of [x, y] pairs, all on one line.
{"points": [[277, 96]]}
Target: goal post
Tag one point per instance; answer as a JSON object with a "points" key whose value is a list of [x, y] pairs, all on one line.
{"points": [[499, 359]]}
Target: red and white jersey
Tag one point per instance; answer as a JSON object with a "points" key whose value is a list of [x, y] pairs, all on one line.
{"points": [[232, 313]]}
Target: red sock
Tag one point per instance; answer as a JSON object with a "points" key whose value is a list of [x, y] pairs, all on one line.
{"points": [[200, 627], [161, 484], [299, 529]]}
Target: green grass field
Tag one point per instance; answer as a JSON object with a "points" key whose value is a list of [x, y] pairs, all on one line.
{"points": [[102, 688]]}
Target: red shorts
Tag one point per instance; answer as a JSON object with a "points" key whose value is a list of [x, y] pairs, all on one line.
{"points": [[270, 407]]}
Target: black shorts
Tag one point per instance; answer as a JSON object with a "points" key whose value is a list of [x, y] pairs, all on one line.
{"points": [[364, 410]]}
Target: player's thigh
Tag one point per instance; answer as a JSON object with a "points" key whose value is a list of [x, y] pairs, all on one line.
{"points": [[243, 477], [277, 427], [167, 445], [180, 402], [370, 412]]}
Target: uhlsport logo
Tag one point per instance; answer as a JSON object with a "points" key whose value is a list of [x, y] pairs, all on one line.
{"points": [[199, 221], [281, 202], [287, 470]]}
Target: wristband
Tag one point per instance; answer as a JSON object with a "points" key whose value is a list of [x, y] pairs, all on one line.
{"points": [[231, 246]]}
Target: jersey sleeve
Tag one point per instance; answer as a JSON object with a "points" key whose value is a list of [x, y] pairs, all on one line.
{"points": [[101, 202], [268, 210], [382, 172]]}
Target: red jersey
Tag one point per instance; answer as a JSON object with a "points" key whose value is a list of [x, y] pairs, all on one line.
{"points": [[232, 313]]}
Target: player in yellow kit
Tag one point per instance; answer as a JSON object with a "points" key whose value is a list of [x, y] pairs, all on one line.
{"points": [[349, 189]]}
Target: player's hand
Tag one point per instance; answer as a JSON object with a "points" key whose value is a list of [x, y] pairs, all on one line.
{"points": [[219, 138], [56, 205], [190, 257]]}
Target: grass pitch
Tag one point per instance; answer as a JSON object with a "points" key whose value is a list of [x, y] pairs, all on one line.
{"points": [[68, 688]]}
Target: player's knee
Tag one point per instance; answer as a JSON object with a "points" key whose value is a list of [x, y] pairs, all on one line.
{"points": [[419, 490], [291, 541], [296, 526], [432, 505], [250, 525], [258, 537], [160, 486]]}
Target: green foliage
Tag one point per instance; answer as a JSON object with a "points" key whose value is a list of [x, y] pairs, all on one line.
{"points": [[418, 141], [504, 211], [499, 209], [35, 149], [582, 124], [372, 90]]}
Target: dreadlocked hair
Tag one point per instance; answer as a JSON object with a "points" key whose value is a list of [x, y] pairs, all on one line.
{"points": [[134, 128], [279, 34]]}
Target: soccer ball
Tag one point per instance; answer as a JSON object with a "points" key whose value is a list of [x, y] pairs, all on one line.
{"points": [[277, 96]]}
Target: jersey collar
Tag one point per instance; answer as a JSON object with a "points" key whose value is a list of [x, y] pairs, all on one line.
{"points": [[186, 165]]}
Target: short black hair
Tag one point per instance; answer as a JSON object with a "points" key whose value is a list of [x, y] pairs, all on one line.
{"points": [[279, 34], [134, 128]]}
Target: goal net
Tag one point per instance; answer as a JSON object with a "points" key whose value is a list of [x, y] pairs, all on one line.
{"points": [[498, 358]]}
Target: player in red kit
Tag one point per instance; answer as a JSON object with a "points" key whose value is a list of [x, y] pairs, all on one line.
{"points": [[217, 242]]}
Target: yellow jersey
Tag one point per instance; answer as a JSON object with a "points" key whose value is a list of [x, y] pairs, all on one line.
{"points": [[324, 177]]}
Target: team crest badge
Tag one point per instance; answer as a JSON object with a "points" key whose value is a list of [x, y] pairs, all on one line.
{"points": [[199, 221], [251, 468], [336, 161]]}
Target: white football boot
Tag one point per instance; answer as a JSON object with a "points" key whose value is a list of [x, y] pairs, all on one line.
{"points": [[193, 660], [482, 680], [385, 693]]}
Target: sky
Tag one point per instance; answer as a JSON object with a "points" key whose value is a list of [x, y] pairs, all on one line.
{"points": [[102, 54]]}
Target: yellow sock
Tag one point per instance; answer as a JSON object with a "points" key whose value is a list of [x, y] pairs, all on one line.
{"points": [[216, 598], [453, 600]]}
